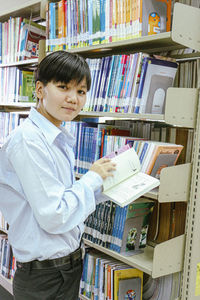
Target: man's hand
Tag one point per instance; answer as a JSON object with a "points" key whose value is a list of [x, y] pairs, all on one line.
{"points": [[104, 167]]}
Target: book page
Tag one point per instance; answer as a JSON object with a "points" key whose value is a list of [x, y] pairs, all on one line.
{"points": [[132, 188], [127, 164]]}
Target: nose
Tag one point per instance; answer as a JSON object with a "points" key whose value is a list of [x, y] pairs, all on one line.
{"points": [[71, 97]]}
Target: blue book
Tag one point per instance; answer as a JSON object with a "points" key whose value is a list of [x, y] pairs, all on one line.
{"points": [[141, 85], [102, 19], [144, 150], [96, 280], [114, 231], [108, 84], [99, 83], [52, 28], [113, 82], [90, 20], [102, 84], [105, 86], [96, 80], [121, 229]]}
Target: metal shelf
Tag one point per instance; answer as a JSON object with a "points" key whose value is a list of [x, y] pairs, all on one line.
{"points": [[82, 297], [22, 8], [20, 63], [6, 284], [151, 260]]}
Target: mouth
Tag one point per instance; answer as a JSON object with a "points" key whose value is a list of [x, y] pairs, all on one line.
{"points": [[69, 109]]}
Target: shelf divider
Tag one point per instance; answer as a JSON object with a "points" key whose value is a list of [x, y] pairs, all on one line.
{"points": [[175, 183], [181, 107], [186, 26]]}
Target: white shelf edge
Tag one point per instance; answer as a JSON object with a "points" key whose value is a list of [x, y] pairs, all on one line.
{"points": [[20, 63], [156, 117], [82, 297], [18, 104], [151, 260], [143, 261], [6, 284]]}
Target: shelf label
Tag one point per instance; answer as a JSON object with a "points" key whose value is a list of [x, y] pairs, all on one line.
{"points": [[197, 289]]}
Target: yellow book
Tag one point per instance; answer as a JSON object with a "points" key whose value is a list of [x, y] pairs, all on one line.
{"points": [[125, 274]]}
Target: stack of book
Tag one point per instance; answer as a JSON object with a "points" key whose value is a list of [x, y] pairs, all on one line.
{"points": [[21, 85], [19, 39], [118, 83], [7, 260], [105, 278], [162, 288], [81, 23]]}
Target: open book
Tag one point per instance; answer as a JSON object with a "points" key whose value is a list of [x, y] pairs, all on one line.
{"points": [[128, 183]]}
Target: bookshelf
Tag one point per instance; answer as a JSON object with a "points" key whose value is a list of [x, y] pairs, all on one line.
{"points": [[183, 251]]}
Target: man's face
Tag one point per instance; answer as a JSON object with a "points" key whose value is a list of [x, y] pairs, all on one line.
{"points": [[60, 101]]}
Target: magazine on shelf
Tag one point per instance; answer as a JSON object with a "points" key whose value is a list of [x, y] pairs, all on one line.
{"points": [[128, 183]]}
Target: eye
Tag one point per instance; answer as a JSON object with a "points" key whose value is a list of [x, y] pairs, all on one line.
{"points": [[81, 92], [62, 86]]}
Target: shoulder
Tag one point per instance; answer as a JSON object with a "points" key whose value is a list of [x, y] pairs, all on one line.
{"points": [[25, 133]]}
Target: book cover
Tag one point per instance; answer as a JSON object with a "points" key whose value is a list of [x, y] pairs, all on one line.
{"points": [[156, 77], [130, 289], [124, 274]]}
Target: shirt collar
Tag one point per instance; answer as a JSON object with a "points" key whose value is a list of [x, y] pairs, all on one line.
{"points": [[50, 131]]}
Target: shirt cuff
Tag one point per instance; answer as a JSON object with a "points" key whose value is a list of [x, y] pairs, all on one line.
{"points": [[92, 179]]}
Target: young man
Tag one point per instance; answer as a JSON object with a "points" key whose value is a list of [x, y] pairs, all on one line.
{"points": [[41, 200]]}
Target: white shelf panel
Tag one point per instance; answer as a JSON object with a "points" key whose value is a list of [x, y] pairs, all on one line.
{"points": [[23, 8], [181, 106], [151, 260], [186, 26], [82, 297], [143, 261], [20, 63], [6, 284], [115, 116], [18, 104], [178, 179]]}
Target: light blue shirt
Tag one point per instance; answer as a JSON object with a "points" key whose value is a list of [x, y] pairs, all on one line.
{"points": [[42, 202]]}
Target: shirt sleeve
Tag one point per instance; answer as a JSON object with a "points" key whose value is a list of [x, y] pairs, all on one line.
{"points": [[56, 208]]}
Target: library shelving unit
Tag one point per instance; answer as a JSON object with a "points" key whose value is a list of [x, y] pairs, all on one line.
{"points": [[182, 109]]}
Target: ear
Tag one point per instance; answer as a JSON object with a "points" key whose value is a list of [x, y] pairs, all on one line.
{"points": [[39, 89]]}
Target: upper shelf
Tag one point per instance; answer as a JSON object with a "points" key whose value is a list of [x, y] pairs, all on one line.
{"points": [[33, 61], [184, 34], [22, 8]]}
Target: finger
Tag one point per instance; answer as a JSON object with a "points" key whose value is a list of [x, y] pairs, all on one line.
{"points": [[104, 160]]}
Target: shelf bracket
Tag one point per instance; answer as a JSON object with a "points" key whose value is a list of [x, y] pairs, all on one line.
{"points": [[181, 107], [168, 257], [186, 26], [175, 183]]}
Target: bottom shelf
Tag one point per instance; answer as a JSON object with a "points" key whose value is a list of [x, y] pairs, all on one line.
{"points": [[6, 284], [166, 258]]}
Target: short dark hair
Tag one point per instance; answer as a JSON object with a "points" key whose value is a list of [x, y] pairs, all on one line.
{"points": [[63, 66]]}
